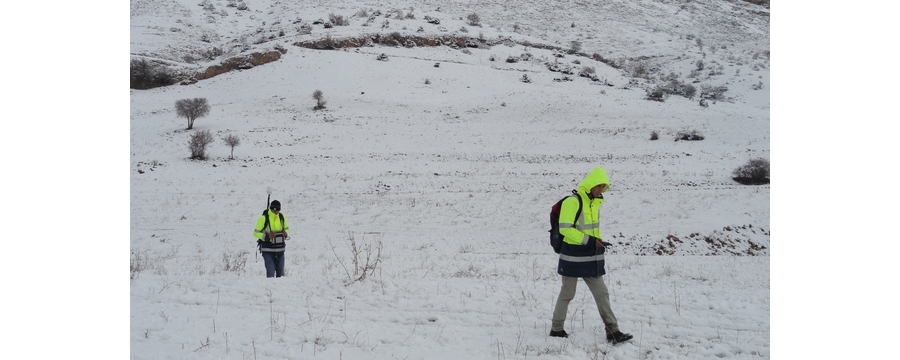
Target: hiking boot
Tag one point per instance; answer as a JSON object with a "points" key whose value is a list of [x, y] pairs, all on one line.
{"points": [[561, 333], [618, 337]]}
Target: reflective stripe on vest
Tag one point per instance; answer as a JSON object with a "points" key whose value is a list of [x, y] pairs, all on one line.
{"points": [[579, 259]]}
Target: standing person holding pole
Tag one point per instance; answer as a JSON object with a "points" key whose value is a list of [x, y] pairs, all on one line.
{"points": [[271, 232]]}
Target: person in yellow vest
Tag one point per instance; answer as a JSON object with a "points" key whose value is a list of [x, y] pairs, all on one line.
{"points": [[581, 255], [271, 231]]}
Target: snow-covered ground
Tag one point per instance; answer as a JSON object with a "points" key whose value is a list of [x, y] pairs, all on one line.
{"points": [[452, 178], [440, 164]]}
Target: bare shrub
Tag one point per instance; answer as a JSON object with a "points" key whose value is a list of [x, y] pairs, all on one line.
{"points": [[754, 172], [199, 142], [657, 94], [692, 135], [689, 91], [365, 258], [714, 93], [191, 109], [139, 262], [338, 20], [320, 100], [574, 46], [640, 71], [235, 262], [473, 19], [654, 135], [232, 140]]}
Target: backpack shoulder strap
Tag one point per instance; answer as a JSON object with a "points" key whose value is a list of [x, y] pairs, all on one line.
{"points": [[580, 205]]}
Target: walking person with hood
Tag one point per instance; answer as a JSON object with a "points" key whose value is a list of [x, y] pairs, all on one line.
{"points": [[271, 231], [581, 255]]}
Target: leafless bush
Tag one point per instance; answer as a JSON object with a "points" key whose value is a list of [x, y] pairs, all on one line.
{"points": [[320, 100], [657, 94], [714, 93], [654, 135], [692, 135], [473, 19], [191, 109], [199, 141], [574, 46], [139, 263], [365, 258], [640, 71], [338, 20], [235, 262], [754, 172], [689, 91]]}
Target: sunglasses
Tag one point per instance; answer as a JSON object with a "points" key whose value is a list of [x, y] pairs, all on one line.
{"points": [[276, 209]]}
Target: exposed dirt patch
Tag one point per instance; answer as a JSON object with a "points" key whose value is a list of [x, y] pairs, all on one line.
{"points": [[240, 62]]}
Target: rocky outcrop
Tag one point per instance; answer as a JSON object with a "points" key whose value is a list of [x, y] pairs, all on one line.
{"points": [[240, 63]]}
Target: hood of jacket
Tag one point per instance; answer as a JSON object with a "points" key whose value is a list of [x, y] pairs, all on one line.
{"points": [[596, 177]]}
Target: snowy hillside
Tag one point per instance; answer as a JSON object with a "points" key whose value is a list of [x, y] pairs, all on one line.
{"points": [[441, 163]]}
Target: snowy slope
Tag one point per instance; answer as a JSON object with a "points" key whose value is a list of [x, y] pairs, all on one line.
{"points": [[453, 177]]}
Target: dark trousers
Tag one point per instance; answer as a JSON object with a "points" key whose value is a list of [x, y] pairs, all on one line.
{"points": [[274, 263]]}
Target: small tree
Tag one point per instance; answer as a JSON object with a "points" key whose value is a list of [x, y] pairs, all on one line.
{"points": [[754, 172], [199, 141], [232, 140], [473, 19], [320, 100], [191, 109]]}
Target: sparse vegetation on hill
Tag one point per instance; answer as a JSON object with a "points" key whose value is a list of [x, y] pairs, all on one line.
{"points": [[147, 75]]}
